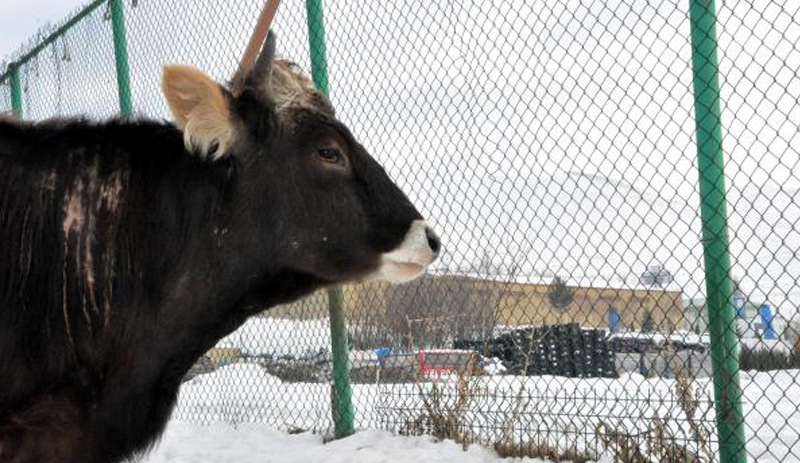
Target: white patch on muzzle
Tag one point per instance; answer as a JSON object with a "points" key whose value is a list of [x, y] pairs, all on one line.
{"points": [[409, 260]]}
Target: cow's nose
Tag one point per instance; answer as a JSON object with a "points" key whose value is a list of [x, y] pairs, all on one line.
{"points": [[433, 242]]}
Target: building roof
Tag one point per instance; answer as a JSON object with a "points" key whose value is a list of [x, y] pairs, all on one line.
{"points": [[580, 281]]}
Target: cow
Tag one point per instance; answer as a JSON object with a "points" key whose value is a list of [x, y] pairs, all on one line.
{"points": [[129, 247]]}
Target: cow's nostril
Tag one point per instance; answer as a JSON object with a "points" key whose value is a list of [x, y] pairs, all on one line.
{"points": [[433, 240]]}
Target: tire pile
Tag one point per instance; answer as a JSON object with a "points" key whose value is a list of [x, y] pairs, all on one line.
{"points": [[558, 350]]}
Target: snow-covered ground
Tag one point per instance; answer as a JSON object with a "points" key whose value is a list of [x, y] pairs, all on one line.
{"points": [[188, 443], [556, 408], [552, 406], [280, 337]]}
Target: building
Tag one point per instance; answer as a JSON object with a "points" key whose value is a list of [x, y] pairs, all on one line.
{"points": [[472, 305], [754, 320]]}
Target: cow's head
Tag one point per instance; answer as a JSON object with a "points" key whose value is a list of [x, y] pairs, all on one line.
{"points": [[304, 185]]}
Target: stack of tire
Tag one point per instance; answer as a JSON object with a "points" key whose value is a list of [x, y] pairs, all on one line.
{"points": [[558, 350]]}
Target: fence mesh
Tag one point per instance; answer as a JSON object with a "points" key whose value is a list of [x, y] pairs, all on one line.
{"points": [[552, 146]]}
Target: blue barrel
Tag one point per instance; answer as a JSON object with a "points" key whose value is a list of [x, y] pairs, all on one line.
{"points": [[614, 321], [766, 317]]}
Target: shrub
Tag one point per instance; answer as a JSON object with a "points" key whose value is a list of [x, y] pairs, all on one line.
{"points": [[768, 359]]}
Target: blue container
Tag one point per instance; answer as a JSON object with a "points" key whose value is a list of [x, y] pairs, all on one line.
{"points": [[613, 321], [766, 317], [382, 353]]}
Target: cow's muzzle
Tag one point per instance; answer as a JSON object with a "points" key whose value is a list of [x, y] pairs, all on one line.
{"points": [[419, 249]]}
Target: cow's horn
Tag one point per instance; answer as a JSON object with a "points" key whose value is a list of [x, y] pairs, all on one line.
{"points": [[260, 34], [263, 66]]}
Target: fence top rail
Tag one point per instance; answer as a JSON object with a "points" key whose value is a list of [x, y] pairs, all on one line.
{"points": [[88, 9]]}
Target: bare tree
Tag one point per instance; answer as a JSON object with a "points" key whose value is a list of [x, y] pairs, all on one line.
{"points": [[435, 310]]}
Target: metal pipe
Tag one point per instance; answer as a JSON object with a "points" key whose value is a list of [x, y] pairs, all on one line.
{"points": [[342, 400], [342, 393], [121, 57], [316, 40], [16, 91], [53, 37], [714, 216]]}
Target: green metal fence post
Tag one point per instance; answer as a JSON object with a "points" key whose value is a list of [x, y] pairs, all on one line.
{"points": [[713, 210], [53, 37], [316, 40], [16, 91], [342, 404], [121, 56]]}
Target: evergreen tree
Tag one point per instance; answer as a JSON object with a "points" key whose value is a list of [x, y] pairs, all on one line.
{"points": [[560, 295]]}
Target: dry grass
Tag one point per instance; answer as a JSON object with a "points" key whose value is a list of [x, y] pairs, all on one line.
{"points": [[689, 402], [444, 418], [622, 445], [663, 444], [507, 446], [445, 415], [542, 451], [441, 418]]}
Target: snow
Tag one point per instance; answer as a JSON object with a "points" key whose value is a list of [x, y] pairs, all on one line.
{"points": [[660, 338], [188, 443], [280, 337], [244, 394]]}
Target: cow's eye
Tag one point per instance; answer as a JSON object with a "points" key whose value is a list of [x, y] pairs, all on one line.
{"points": [[331, 155]]}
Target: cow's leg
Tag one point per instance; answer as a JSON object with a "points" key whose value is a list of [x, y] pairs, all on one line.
{"points": [[50, 430]]}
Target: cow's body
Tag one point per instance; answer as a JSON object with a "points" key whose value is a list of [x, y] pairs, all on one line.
{"points": [[93, 236], [126, 251]]}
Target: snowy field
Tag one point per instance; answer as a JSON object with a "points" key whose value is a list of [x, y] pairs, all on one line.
{"points": [[188, 443], [280, 337], [550, 409], [551, 406]]}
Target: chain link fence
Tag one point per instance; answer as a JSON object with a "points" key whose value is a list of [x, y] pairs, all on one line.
{"points": [[552, 146]]}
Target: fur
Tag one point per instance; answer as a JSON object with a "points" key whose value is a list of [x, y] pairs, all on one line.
{"points": [[199, 109], [126, 254]]}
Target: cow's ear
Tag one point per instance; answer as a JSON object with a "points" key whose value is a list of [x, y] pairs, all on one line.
{"points": [[200, 109]]}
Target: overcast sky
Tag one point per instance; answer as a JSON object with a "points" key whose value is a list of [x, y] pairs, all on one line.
{"points": [[20, 19], [561, 139]]}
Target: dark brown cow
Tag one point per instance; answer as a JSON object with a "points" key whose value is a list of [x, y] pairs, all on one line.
{"points": [[129, 248]]}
